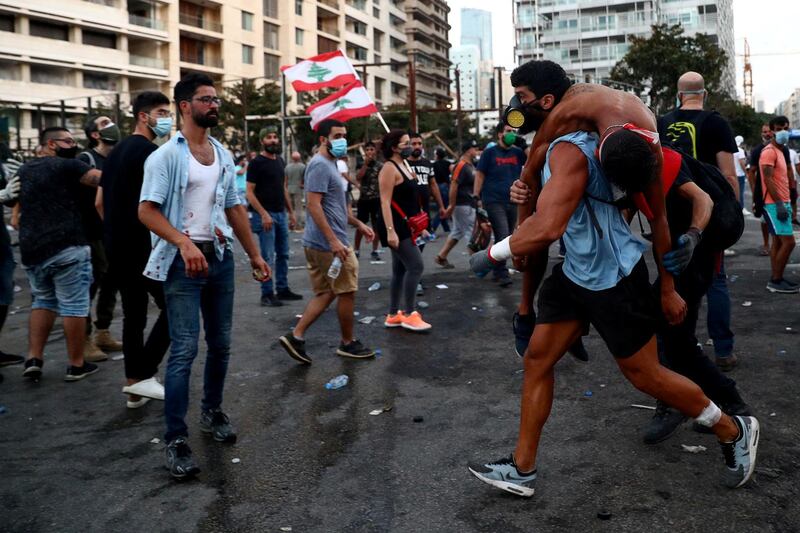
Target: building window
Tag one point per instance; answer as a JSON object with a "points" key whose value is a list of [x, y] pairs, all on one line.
{"points": [[96, 80], [247, 21], [270, 36], [377, 39], [298, 7], [357, 52], [379, 88], [99, 38], [376, 12], [271, 67], [40, 28], [358, 4], [271, 8], [9, 70], [6, 22], [247, 54], [49, 75], [298, 36]]}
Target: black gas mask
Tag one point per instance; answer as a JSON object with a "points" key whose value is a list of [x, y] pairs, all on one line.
{"points": [[519, 116]]}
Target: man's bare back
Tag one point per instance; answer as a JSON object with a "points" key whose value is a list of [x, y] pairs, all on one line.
{"points": [[585, 107]]}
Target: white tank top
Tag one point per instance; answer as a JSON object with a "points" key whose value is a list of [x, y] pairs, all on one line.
{"points": [[199, 199]]}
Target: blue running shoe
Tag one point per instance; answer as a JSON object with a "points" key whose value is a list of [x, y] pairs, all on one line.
{"points": [[503, 474], [740, 455]]}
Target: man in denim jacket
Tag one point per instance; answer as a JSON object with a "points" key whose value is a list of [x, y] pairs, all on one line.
{"points": [[190, 204]]}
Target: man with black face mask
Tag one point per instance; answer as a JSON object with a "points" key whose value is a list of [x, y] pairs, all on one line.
{"points": [[54, 249], [272, 215], [101, 137]]}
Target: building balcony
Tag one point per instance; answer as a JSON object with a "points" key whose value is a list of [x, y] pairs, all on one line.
{"points": [[52, 51], [330, 29], [196, 58], [200, 22], [146, 22], [331, 4], [149, 62]]}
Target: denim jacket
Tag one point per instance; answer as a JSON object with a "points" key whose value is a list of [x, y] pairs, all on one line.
{"points": [[166, 174]]}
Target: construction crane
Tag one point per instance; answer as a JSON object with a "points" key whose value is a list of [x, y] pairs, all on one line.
{"points": [[748, 76]]}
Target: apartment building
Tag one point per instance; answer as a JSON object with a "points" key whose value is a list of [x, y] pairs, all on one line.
{"points": [[427, 42], [589, 37], [57, 55], [790, 108]]}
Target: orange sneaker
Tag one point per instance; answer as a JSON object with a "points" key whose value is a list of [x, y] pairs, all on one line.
{"points": [[414, 322], [394, 321]]}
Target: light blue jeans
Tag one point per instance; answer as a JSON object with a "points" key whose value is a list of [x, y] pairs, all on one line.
{"points": [[274, 246]]}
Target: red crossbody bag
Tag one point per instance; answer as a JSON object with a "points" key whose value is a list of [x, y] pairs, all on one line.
{"points": [[416, 223]]}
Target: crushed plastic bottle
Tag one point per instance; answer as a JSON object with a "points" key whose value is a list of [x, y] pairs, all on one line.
{"points": [[374, 287], [337, 383], [335, 268]]}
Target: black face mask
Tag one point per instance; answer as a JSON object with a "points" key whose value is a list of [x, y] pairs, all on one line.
{"points": [[67, 153], [416, 152], [519, 116], [406, 152], [272, 148]]}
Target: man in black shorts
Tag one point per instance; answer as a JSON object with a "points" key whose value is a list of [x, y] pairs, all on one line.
{"points": [[597, 274], [369, 199]]}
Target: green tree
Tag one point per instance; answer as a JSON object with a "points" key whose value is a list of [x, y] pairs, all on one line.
{"points": [[246, 98], [744, 120], [660, 59]]}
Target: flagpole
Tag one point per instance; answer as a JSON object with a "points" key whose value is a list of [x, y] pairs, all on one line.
{"points": [[283, 116], [383, 122]]}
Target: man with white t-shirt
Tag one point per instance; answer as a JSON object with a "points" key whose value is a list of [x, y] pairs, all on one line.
{"points": [[740, 162], [190, 204]]}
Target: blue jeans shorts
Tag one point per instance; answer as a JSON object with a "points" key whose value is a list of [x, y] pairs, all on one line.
{"points": [[61, 283]]}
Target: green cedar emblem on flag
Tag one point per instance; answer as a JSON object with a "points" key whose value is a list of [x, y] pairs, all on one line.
{"points": [[318, 72]]}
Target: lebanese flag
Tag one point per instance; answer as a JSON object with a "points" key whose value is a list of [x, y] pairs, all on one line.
{"points": [[325, 70], [351, 102]]}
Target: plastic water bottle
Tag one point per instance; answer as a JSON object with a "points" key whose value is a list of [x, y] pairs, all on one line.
{"points": [[420, 241], [335, 268], [338, 382]]}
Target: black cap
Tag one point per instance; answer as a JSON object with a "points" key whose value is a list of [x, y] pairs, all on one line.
{"points": [[471, 143]]}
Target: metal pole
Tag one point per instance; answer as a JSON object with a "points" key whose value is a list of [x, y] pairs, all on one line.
{"points": [[500, 90], [283, 115], [412, 91], [244, 110], [88, 106], [458, 108], [118, 105], [63, 115], [19, 127], [39, 117]]}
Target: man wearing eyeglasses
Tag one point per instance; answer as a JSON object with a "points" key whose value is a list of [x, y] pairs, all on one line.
{"points": [[190, 203], [54, 249]]}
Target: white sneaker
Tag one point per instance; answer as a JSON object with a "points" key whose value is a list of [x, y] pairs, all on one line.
{"points": [[149, 388], [141, 402], [746, 213]]}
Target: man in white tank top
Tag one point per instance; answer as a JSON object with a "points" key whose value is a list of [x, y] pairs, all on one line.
{"points": [[190, 204]]}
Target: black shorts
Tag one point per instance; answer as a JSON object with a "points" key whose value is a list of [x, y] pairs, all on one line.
{"points": [[367, 210], [625, 316]]}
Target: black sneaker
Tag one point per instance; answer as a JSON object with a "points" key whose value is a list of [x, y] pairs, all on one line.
{"points": [[523, 330], [355, 350], [33, 368], [179, 459], [287, 294], [578, 351], [7, 359], [270, 300], [76, 373], [295, 348], [504, 281], [218, 424], [375, 256], [664, 423]]}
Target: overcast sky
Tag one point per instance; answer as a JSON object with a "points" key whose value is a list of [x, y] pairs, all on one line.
{"points": [[769, 31]]}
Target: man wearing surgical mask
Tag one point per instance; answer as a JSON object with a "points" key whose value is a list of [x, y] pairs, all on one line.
{"points": [[102, 135], [777, 209], [497, 169], [127, 245]]}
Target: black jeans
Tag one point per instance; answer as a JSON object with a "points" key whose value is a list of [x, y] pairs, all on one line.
{"points": [[103, 286], [679, 349], [141, 357]]}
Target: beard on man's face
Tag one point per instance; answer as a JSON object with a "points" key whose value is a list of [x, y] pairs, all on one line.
{"points": [[209, 119]]}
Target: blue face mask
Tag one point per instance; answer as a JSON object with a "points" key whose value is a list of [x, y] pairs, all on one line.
{"points": [[782, 137], [162, 127], [338, 147]]}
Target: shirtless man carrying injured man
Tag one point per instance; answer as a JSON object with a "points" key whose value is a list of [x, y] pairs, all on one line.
{"points": [[603, 282]]}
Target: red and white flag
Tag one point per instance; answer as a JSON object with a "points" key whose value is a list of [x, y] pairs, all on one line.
{"points": [[325, 70], [351, 102]]}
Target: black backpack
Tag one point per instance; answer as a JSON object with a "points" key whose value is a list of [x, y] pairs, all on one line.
{"points": [[726, 225]]}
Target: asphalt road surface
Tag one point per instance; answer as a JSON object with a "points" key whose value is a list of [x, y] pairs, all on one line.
{"points": [[73, 458]]}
